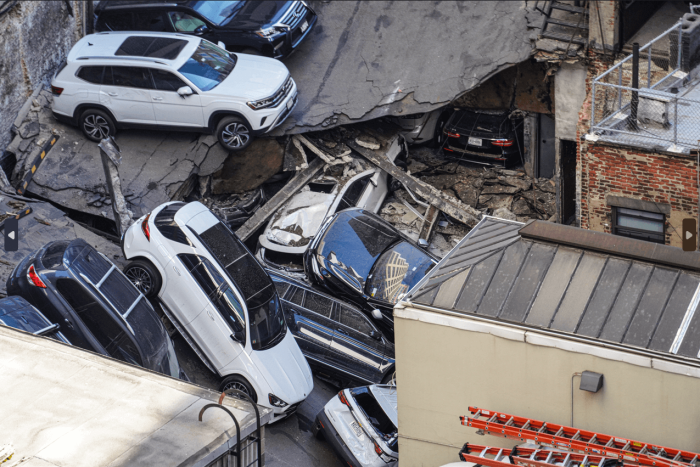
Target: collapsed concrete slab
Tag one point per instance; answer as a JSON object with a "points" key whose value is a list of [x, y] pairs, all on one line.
{"points": [[45, 224], [365, 60], [157, 166]]}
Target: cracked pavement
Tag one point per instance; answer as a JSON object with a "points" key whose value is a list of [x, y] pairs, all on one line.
{"points": [[365, 60]]}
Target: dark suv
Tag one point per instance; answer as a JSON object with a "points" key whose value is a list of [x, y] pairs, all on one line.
{"points": [[18, 313], [273, 29], [96, 306]]}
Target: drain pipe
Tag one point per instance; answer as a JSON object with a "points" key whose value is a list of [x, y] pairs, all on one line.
{"points": [[111, 158], [632, 122]]}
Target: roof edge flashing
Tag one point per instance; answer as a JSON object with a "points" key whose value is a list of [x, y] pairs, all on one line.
{"points": [[611, 244]]}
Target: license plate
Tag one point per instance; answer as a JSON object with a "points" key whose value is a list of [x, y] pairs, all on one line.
{"points": [[304, 26], [357, 429], [475, 141], [290, 103]]}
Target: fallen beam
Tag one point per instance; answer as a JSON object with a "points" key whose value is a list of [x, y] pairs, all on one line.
{"points": [[428, 222], [445, 203], [111, 158], [37, 161], [295, 184]]}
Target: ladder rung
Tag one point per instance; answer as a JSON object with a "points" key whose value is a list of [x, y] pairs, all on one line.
{"points": [[567, 460], [676, 458], [492, 419], [499, 455], [542, 428], [564, 37], [593, 440], [570, 8], [559, 432], [566, 23], [610, 443], [577, 436], [510, 422], [526, 426]]}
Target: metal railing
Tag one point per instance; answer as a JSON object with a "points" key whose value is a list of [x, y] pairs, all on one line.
{"points": [[650, 112]]}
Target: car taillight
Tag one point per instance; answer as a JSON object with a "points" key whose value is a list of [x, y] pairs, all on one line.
{"points": [[145, 228], [34, 277], [502, 142], [56, 91], [377, 449], [342, 398], [452, 135]]}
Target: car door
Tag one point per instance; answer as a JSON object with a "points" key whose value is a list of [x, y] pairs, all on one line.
{"points": [[353, 348], [226, 314], [126, 92], [353, 192], [375, 191], [312, 313], [169, 107]]}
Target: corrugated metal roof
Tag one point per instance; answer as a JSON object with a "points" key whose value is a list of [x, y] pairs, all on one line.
{"points": [[572, 280]]}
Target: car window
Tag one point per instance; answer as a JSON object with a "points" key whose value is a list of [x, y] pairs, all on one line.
{"points": [[115, 21], [91, 74], [353, 193], [119, 291], [231, 309], [93, 265], [132, 77], [208, 66], [319, 304], [298, 296], [203, 272], [182, 22], [53, 256], [355, 320], [166, 225], [98, 320], [281, 286], [149, 21], [166, 81]]}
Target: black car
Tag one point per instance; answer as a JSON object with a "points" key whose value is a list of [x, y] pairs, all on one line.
{"points": [[338, 341], [18, 313], [361, 258], [273, 29], [485, 137], [98, 308]]}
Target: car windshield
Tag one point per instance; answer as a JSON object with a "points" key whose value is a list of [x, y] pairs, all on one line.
{"points": [[396, 271], [208, 66], [267, 325], [217, 12], [352, 244]]}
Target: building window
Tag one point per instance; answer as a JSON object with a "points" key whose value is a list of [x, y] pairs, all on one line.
{"points": [[642, 225]]}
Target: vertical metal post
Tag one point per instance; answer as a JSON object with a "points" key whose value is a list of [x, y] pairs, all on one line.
{"points": [[680, 45], [619, 90], [593, 106], [649, 65], [632, 121], [675, 121]]}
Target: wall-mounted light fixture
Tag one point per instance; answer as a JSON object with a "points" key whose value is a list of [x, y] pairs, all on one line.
{"points": [[590, 381]]}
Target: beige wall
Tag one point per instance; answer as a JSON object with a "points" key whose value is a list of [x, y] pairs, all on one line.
{"points": [[443, 370]]}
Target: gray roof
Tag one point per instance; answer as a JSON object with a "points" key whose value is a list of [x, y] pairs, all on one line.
{"points": [[573, 280]]}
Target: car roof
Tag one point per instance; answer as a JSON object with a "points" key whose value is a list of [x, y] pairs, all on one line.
{"points": [[104, 46]]}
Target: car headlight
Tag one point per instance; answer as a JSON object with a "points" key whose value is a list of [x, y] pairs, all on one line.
{"points": [[276, 401], [268, 32], [261, 104]]}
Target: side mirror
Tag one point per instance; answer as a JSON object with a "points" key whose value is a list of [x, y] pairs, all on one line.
{"points": [[238, 336], [423, 243], [201, 29], [375, 335], [376, 314], [185, 91]]}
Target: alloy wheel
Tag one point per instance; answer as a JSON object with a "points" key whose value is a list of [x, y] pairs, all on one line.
{"points": [[140, 278], [96, 126], [238, 386], [235, 135]]}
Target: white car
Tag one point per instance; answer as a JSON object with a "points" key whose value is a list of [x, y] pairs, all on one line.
{"points": [[114, 80], [221, 300], [296, 223], [424, 127], [361, 426]]}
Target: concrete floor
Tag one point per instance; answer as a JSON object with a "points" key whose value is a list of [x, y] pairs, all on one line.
{"points": [[288, 442]]}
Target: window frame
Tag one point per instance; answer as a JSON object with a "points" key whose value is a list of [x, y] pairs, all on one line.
{"points": [[636, 233], [349, 186], [102, 76], [339, 314], [148, 69]]}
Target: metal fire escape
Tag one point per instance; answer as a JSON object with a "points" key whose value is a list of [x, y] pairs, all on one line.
{"points": [[565, 21]]}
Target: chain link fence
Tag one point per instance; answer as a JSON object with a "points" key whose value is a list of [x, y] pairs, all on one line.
{"points": [[650, 111]]}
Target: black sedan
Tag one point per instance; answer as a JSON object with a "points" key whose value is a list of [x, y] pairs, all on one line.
{"points": [[485, 137], [273, 29], [98, 308], [18, 313], [339, 342], [362, 259]]}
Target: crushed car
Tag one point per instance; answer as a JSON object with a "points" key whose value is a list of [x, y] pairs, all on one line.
{"points": [[221, 300], [290, 230], [340, 343], [16, 312], [361, 426], [423, 128], [484, 137], [273, 29], [363, 259], [97, 307]]}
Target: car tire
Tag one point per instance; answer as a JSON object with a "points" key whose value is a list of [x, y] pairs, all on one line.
{"points": [[144, 276], [240, 383], [97, 125], [233, 134], [438, 137]]}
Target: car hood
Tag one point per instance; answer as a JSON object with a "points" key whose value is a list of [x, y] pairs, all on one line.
{"points": [[285, 369], [255, 15], [253, 77], [298, 222]]}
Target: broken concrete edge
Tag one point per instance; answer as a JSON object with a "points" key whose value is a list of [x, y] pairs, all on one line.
{"points": [[24, 111], [111, 158]]}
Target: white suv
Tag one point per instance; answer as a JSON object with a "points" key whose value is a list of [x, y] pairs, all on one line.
{"points": [[221, 300], [139, 80]]}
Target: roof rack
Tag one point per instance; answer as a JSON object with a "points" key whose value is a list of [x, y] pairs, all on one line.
{"points": [[121, 57]]}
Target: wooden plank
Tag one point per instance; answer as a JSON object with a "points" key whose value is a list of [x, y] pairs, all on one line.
{"points": [[295, 184], [445, 203], [430, 217]]}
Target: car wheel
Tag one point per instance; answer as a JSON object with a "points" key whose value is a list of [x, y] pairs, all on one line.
{"points": [[233, 134], [439, 138], [240, 383], [144, 276], [97, 125]]}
